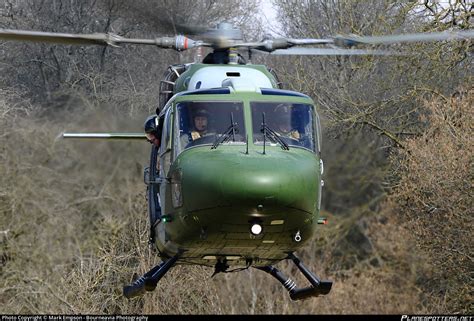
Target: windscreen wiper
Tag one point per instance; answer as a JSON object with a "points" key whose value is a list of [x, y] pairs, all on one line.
{"points": [[272, 134], [230, 131]]}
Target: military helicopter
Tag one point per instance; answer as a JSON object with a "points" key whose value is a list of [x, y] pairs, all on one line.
{"points": [[235, 171]]}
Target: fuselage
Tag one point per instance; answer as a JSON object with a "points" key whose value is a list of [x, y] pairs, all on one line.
{"points": [[212, 193]]}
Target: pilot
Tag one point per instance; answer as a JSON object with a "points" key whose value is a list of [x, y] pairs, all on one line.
{"points": [[200, 122], [282, 115], [152, 132]]}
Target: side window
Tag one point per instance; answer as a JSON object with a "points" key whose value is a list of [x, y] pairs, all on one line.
{"points": [[165, 148]]}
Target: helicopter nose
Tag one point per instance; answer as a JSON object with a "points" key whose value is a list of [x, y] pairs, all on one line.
{"points": [[223, 178]]}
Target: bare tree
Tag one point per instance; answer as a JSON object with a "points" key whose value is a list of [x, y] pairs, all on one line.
{"points": [[124, 77], [434, 198]]}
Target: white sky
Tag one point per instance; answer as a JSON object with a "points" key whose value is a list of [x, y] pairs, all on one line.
{"points": [[269, 17]]}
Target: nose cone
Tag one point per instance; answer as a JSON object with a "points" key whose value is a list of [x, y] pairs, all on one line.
{"points": [[232, 178]]}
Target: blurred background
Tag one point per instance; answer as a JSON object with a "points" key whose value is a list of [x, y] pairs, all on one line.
{"points": [[397, 149]]}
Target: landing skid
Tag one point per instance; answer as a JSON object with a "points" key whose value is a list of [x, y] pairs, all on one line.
{"points": [[149, 280], [317, 288]]}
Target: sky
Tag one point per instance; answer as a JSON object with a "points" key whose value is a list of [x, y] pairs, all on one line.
{"points": [[269, 17]]}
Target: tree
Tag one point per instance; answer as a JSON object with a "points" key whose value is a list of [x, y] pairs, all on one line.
{"points": [[434, 198], [376, 96], [128, 77]]}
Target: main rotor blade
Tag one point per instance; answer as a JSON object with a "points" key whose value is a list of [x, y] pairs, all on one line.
{"points": [[404, 38], [331, 52], [270, 45], [65, 38], [104, 39], [112, 136]]}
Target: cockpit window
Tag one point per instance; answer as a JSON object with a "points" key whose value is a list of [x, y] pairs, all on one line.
{"points": [[203, 123], [293, 123]]}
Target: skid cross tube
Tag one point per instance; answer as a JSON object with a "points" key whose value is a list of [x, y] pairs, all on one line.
{"points": [[317, 288], [149, 280]]}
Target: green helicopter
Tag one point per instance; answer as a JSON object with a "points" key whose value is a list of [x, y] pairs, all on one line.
{"points": [[235, 172]]}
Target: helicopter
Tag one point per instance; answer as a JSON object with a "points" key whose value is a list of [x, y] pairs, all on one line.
{"points": [[235, 172]]}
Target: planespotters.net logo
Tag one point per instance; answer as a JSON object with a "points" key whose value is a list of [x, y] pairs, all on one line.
{"points": [[437, 318]]}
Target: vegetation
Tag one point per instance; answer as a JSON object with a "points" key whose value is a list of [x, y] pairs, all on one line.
{"points": [[435, 198], [398, 158]]}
